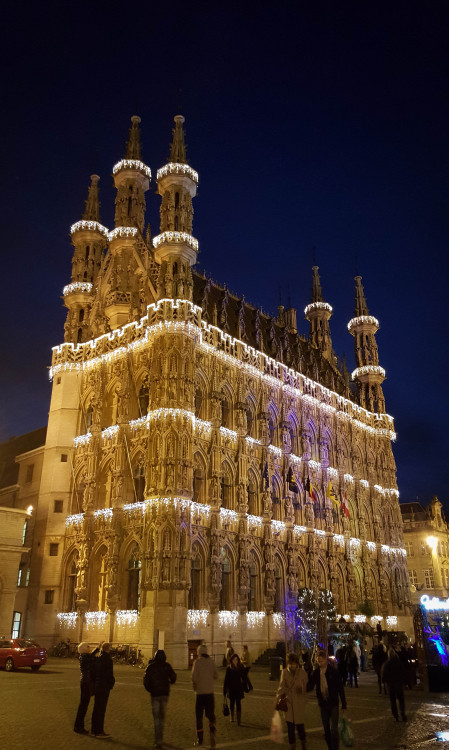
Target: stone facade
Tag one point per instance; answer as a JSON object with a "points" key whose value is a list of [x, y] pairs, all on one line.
{"points": [[211, 460], [426, 539]]}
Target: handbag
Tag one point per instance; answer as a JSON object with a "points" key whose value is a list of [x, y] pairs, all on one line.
{"points": [[281, 704], [225, 708], [346, 733], [276, 728]]}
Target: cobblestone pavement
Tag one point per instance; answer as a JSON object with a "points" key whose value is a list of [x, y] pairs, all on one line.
{"points": [[37, 711]]}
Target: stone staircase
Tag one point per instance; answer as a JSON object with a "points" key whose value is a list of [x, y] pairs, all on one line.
{"points": [[264, 659]]}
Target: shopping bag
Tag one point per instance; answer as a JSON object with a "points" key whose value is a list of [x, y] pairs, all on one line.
{"points": [[346, 733], [225, 708], [281, 704], [276, 728]]}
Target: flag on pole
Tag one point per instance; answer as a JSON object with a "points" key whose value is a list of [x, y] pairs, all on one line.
{"points": [[344, 505], [311, 490], [291, 481], [265, 477], [330, 493]]}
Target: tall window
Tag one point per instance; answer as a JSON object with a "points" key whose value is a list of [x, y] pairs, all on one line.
{"points": [[276, 500], [133, 592], [413, 577], [89, 418], [409, 549], [249, 419], [278, 590], [195, 579], [225, 413], [16, 620], [71, 586], [225, 593], [144, 399], [428, 575], [198, 485], [226, 490], [253, 506], [139, 483], [271, 429], [198, 403], [254, 579]]}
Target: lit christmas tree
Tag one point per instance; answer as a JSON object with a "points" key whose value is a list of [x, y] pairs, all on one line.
{"points": [[313, 616]]}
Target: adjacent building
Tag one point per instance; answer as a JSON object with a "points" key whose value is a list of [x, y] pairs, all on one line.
{"points": [[426, 539]]}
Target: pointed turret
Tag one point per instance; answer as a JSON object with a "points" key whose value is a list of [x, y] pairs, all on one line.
{"points": [[318, 314], [368, 373], [131, 178], [175, 249], [89, 239]]}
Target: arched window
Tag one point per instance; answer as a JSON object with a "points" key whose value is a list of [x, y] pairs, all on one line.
{"points": [[253, 500], [87, 252], [139, 484], [226, 581], [89, 418], [81, 315], [144, 398], [79, 337], [198, 485], [98, 581], [70, 596], [198, 402], [176, 200], [225, 413], [276, 499], [271, 428], [133, 588], [278, 590], [196, 573], [226, 489], [249, 418], [254, 585]]}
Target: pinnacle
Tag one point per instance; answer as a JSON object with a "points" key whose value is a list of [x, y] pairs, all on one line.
{"points": [[361, 308], [317, 295], [133, 149], [178, 147], [92, 205]]}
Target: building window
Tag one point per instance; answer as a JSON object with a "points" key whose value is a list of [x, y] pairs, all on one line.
{"points": [[71, 586], [29, 474], [58, 506], [133, 594], [16, 620], [225, 593], [144, 399], [64, 458], [54, 547], [195, 579], [428, 575], [198, 403], [409, 549], [49, 594], [225, 414], [19, 575], [198, 486], [254, 578], [226, 493], [278, 591], [24, 532], [27, 577], [139, 483], [413, 577]]}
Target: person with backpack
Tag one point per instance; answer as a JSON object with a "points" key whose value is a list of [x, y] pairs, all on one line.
{"points": [[159, 675]]}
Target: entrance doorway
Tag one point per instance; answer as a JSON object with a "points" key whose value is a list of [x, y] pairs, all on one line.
{"points": [[192, 647]]}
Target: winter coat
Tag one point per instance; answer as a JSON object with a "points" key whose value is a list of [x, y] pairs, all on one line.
{"points": [[85, 668], [393, 673], [294, 686], [229, 654], [204, 672], [379, 657], [159, 675], [234, 682], [102, 673], [334, 686], [246, 659]]}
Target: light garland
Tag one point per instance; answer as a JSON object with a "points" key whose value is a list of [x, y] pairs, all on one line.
{"points": [[434, 604], [349, 478], [176, 168], [67, 619], [317, 306], [354, 542], [359, 618], [252, 441], [386, 549], [103, 513], [363, 320], [228, 618], [392, 620], [134, 164], [340, 540], [228, 433], [254, 619], [376, 618], [110, 432], [200, 509], [278, 526], [278, 619], [126, 616], [197, 617], [299, 529], [82, 440], [77, 286], [228, 515], [255, 521], [131, 507], [368, 370], [96, 619], [119, 232], [372, 546], [364, 483], [90, 226], [319, 532], [177, 238], [314, 465], [74, 520], [274, 449]]}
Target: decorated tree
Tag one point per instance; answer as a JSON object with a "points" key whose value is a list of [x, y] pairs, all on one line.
{"points": [[312, 617]]}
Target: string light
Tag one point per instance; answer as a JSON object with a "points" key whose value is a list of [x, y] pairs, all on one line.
{"points": [[376, 618], [228, 433], [126, 616], [110, 432], [319, 532], [274, 449], [255, 521], [175, 168], [363, 319], [434, 603], [372, 546], [228, 618], [122, 232], [254, 619], [228, 515], [103, 513], [197, 617], [317, 306], [299, 529], [354, 542], [364, 483], [392, 620], [359, 618], [134, 164], [278, 619], [131, 507], [90, 226], [96, 619], [349, 478], [340, 540], [77, 286], [278, 526], [368, 370], [74, 520], [67, 619], [177, 238]]}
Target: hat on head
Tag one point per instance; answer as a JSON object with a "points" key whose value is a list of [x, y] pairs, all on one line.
{"points": [[83, 648], [202, 650]]}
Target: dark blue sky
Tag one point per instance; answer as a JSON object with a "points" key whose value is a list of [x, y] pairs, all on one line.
{"points": [[310, 124]]}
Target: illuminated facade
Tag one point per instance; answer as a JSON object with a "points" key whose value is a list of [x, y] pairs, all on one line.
{"points": [[426, 539], [203, 450]]}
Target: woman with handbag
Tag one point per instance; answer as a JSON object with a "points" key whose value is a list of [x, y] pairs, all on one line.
{"points": [[291, 698], [234, 683]]}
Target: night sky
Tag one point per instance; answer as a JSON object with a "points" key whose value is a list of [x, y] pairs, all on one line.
{"points": [[311, 125]]}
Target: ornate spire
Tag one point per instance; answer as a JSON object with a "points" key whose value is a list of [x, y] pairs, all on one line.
{"points": [[92, 206], [133, 149], [361, 308], [317, 295], [318, 314], [178, 147]]}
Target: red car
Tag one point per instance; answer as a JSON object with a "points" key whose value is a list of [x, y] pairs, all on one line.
{"points": [[21, 653]]}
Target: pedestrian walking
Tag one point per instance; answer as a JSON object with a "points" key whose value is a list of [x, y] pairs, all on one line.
{"points": [[352, 665], [103, 677], [204, 673], [86, 686], [379, 658], [233, 687], [293, 685], [307, 663], [159, 675], [393, 676], [329, 689], [229, 653], [342, 665], [246, 663]]}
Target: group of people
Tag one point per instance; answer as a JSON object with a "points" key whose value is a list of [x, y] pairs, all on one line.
{"points": [[349, 664], [97, 679]]}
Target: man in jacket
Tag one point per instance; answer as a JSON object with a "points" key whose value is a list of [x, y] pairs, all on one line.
{"points": [[204, 673], [329, 688], [393, 676], [102, 671], [159, 675]]}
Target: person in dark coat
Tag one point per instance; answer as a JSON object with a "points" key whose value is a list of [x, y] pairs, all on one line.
{"points": [[159, 675], [103, 677], [234, 684], [379, 659], [342, 664], [353, 665], [393, 676], [329, 689], [86, 685], [306, 662]]}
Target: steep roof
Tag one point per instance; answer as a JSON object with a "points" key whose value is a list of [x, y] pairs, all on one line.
{"points": [[414, 509], [9, 470]]}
